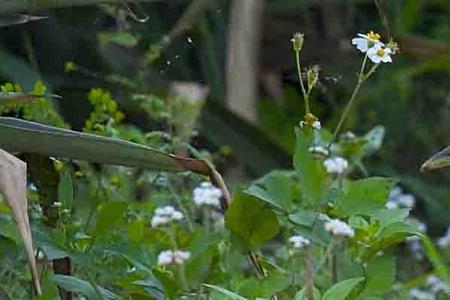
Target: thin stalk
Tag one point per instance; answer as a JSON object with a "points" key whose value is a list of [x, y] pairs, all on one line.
{"points": [[182, 207], [361, 79], [326, 255], [302, 85], [309, 276]]}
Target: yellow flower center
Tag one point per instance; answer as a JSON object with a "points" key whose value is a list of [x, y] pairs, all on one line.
{"points": [[380, 52], [310, 119], [374, 36]]}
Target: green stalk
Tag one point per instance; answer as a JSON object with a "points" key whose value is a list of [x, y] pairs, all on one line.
{"points": [[300, 79]]}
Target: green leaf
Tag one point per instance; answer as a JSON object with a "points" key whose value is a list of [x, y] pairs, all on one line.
{"points": [[24, 136], [78, 285], [276, 188], [301, 295], [403, 228], [109, 217], [310, 170], [251, 220], [303, 217], [135, 230], [389, 216], [121, 38], [65, 190], [342, 289], [225, 292], [380, 275], [273, 284], [365, 196]]}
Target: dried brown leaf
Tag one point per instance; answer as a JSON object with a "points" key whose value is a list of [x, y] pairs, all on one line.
{"points": [[13, 185]]}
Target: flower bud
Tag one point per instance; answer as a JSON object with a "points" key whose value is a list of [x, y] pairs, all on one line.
{"points": [[297, 41], [313, 76]]}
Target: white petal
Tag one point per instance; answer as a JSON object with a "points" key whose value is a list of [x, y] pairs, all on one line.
{"points": [[386, 59], [361, 44], [375, 59]]}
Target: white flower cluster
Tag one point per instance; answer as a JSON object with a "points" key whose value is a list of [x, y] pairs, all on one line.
{"points": [[298, 241], [168, 257], [419, 294], [335, 165], [318, 150], [376, 50], [339, 228], [437, 286], [315, 124], [207, 194], [398, 199], [444, 241], [165, 215]]}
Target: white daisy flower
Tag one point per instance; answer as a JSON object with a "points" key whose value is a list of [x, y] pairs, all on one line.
{"points": [[339, 228], [207, 194], [316, 125], [335, 165], [165, 215], [444, 241], [179, 257], [298, 241], [165, 258], [318, 150], [366, 41], [378, 54]]}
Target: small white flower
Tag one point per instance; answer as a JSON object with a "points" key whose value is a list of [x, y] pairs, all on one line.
{"points": [[379, 54], [207, 194], [406, 200], [336, 165], [179, 257], [436, 285], [339, 228], [420, 294], [316, 125], [298, 241], [391, 204], [165, 215], [444, 241], [349, 135], [57, 204], [165, 258], [366, 41], [319, 150]]}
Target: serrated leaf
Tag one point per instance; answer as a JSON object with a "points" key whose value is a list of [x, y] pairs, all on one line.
{"points": [[74, 284], [342, 289], [389, 216], [365, 196], [251, 220], [65, 190], [223, 291]]}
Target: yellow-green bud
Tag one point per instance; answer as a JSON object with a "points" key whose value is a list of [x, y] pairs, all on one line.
{"points": [[297, 41], [313, 76], [70, 66]]}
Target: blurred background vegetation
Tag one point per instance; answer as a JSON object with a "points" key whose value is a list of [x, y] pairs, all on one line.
{"points": [[241, 51]]}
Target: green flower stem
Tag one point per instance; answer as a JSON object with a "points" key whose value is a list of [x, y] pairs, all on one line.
{"points": [[309, 275], [182, 206], [326, 255], [361, 79], [180, 268], [300, 79]]}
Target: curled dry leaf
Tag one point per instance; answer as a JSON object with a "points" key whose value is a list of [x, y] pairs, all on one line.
{"points": [[13, 185]]}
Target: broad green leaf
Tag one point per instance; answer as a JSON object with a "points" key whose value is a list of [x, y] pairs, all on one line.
{"points": [[251, 220], [229, 294], [301, 295], [303, 217], [273, 284], [65, 190], [74, 284], [389, 216], [24, 136], [365, 196], [380, 275], [109, 217], [276, 188], [135, 230], [17, 69], [342, 289], [310, 170], [52, 252], [403, 228]]}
